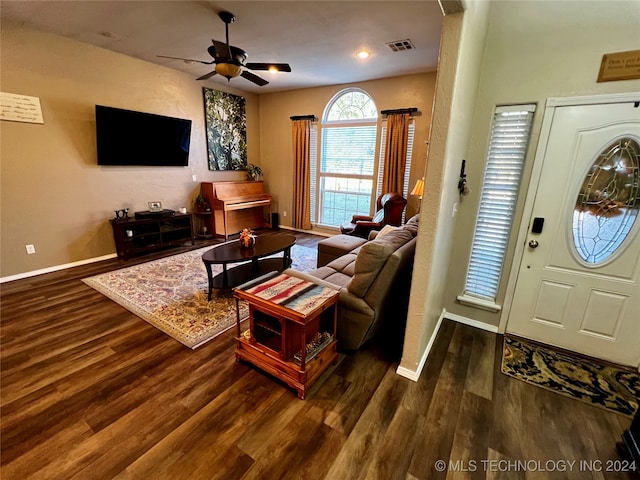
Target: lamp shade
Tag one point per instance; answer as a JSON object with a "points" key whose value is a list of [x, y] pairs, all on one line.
{"points": [[228, 70], [418, 189]]}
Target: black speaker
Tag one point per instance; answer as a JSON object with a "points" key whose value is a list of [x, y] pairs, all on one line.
{"points": [[275, 221]]}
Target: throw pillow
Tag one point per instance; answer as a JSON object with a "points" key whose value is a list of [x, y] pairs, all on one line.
{"points": [[386, 229]]}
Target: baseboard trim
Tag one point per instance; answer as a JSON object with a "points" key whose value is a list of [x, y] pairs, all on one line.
{"points": [[311, 232], [415, 374], [56, 268], [33, 273], [471, 322]]}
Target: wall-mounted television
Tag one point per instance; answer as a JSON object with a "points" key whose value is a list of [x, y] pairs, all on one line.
{"points": [[126, 137]]}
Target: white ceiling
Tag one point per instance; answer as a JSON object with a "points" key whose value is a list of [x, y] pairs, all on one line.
{"points": [[319, 39]]}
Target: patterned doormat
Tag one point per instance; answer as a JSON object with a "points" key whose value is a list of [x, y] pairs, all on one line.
{"points": [[588, 380]]}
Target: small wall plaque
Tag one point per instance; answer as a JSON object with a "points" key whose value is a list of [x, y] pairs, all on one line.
{"points": [[20, 108], [620, 66]]}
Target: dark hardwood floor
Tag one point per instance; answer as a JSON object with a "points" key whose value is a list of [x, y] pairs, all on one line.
{"points": [[90, 391]]}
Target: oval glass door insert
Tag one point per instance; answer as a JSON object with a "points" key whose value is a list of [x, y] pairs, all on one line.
{"points": [[608, 203]]}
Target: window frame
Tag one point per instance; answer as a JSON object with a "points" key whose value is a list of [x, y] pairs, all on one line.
{"points": [[474, 272], [316, 173]]}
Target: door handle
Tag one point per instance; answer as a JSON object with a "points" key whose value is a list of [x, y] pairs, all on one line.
{"points": [[533, 243]]}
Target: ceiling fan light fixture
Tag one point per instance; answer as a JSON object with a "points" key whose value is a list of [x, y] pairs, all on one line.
{"points": [[228, 70]]}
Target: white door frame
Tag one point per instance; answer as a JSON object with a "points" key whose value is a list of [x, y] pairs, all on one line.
{"points": [[523, 230]]}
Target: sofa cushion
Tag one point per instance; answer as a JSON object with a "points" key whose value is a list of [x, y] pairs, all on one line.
{"points": [[335, 277], [339, 279], [350, 268], [372, 257], [333, 247], [340, 263]]}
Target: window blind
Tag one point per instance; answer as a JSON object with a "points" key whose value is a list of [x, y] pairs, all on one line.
{"points": [[348, 150], [505, 158]]}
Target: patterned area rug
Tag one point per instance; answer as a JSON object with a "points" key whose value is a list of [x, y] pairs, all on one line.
{"points": [[590, 381], [171, 294]]}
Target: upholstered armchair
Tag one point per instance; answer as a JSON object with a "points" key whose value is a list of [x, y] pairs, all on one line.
{"points": [[388, 212]]}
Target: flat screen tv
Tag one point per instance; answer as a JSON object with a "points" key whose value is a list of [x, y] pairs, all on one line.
{"points": [[125, 137]]}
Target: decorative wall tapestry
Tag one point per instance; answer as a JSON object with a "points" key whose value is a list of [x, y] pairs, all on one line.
{"points": [[226, 128]]}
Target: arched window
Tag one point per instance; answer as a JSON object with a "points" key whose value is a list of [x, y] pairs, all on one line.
{"points": [[343, 181]]}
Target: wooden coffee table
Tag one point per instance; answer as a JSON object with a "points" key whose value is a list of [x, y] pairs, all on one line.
{"points": [[292, 328], [251, 261]]}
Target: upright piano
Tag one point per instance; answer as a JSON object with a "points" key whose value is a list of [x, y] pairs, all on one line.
{"points": [[237, 205]]}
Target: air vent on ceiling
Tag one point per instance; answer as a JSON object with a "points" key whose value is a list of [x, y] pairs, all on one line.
{"points": [[401, 45]]}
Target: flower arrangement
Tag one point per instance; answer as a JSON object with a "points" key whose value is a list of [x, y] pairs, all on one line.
{"points": [[247, 238]]}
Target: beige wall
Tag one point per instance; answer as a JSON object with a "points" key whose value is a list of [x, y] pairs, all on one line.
{"points": [[56, 197], [53, 194], [275, 128], [534, 50], [461, 51]]}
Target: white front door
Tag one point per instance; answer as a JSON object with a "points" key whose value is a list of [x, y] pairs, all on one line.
{"points": [[578, 283]]}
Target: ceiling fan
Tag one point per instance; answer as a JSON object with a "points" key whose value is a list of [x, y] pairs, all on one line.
{"points": [[230, 60]]}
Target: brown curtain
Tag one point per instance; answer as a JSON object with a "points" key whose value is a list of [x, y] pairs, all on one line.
{"points": [[301, 182], [395, 152]]}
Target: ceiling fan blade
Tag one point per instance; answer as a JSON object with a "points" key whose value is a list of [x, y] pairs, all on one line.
{"points": [[207, 75], [238, 56], [185, 59], [222, 51], [280, 67], [261, 82]]}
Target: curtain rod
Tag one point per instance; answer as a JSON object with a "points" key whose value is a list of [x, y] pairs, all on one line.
{"points": [[410, 111], [304, 117]]}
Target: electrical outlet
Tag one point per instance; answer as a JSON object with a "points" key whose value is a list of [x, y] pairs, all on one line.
{"points": [[194, 178], [284, 214], [30, 249]]}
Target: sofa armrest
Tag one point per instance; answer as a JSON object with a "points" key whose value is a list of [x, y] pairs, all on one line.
{"points": [[360, 218], [310, 278], [367, 224], [354, 314]]}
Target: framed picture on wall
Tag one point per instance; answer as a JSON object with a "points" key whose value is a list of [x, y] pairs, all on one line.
{"points": [[226, 129]]}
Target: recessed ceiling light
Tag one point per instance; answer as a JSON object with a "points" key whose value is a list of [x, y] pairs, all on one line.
{"points": [[363, 54]]}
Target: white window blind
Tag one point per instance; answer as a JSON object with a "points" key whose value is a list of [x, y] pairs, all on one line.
{"points": [[348, 150], [507, 149]]}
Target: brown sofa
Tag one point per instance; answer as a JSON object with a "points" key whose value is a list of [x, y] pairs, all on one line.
{"points": [[374, 281]]}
